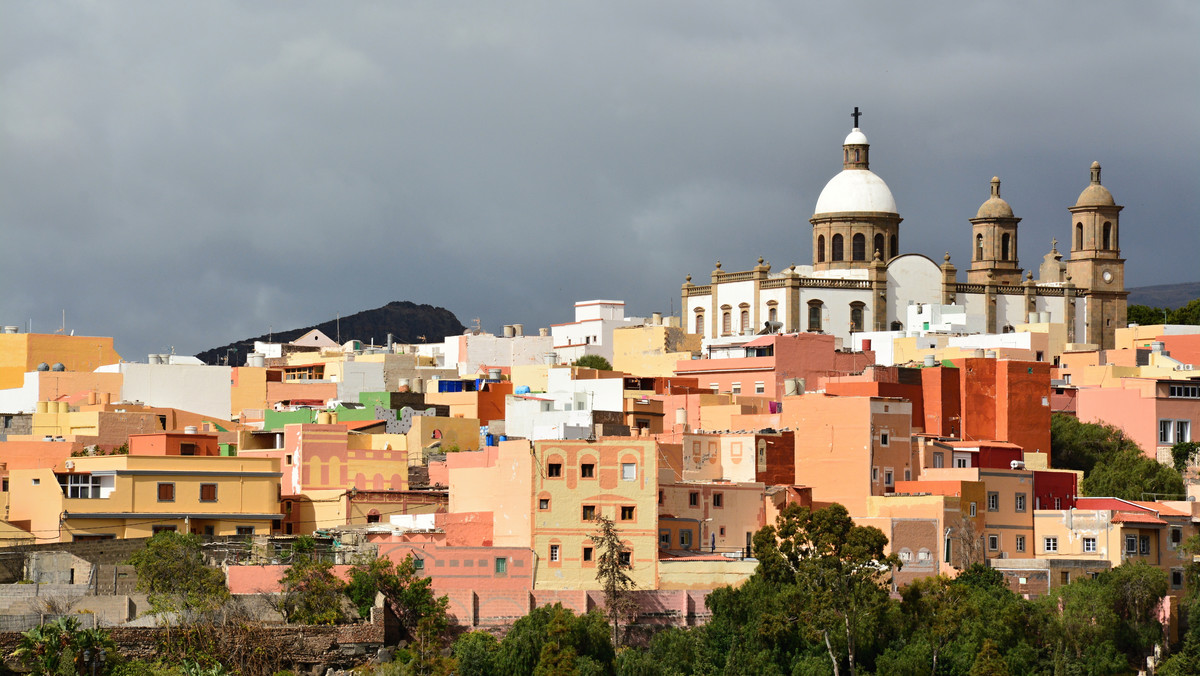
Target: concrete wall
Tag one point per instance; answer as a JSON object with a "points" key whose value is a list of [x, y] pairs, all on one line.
{"points": [[202, 389]]}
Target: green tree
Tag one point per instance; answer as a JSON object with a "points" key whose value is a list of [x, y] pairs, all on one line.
{"points": [[1079, 445], [1145, 315], [989, 662], [840, 572], [311, 593], [409, 595], [936, 607], [1137, 590], [476, 653], [172, 572], [58, 647], [585, 636], [1184, 454], [611, 573], [1083, 628], [1132, 476], [593, 361]]}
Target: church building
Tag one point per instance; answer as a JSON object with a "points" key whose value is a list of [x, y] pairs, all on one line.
{"points": [[859, 280]]}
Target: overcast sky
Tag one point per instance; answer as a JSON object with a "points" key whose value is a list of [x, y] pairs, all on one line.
{"points": [[188, 174]]}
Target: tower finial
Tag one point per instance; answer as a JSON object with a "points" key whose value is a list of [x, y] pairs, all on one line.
{"points": [[1095, 173], [995, 186], [855, 115]]}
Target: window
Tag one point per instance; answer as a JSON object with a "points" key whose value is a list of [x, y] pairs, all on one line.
{"points": [[553, 552], [625, 558], [745, 321], [589, 512], [993, 501], [543, 503], [1064, 577], [587, 471], [554, 470], [856, 316], [735, 388], [974, 511], [1050, 544], [664, 539], [373, 516], [923, 555], [962, 461], [879, 246], [888, 479], [978, 247], [187, 449], [836, 248], [693, 499], [208, 492], [1144, 545], [1176, 536], [821, 249], [685, 539], [939, 460], [700, 323], [1089, 545], [1107, 235], [1020, 543], [1079, 235], [1058, 503], [628, 471], [726, 323], [895, 247], [1183, 431], [993, 542], [501, 565], [287, 460], [884, 438], [1005, 241], [814, 315], [874, 475], [760, 387], [155, 530], [1131, 544], [418, 563], [773, 314], [858, 247], [718, 500], [1020, 503], [245, 530], [626, 513], [1176, 578], [1165, 428], [166, 492], [80, 485], [906, 555], [587, 554]]}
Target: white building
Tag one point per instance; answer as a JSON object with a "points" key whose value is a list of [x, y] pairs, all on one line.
{"points": [[592, 330]]}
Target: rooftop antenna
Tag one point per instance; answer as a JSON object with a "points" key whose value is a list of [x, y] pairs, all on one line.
{"points": [[63, 327], [339, 328]]}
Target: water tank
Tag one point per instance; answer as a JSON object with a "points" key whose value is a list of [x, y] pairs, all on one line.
{"points": [[190, 429], [978, 354], [519, 329], [42, 406], [656, 318], [508, 331], [990, 354], [791, 387], [521, 389], [154, 359], [106, 398], [58, 367], [681, 416], [256, 359], [1157, 347], [550, 358], [866, 344], [43, 366], [403, 385], [494, 374], [12, 329], [63, 407], [930, 361], [543, 332], [324, 418]]}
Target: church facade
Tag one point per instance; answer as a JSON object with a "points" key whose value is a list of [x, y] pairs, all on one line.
{"points": [[859, 280]]}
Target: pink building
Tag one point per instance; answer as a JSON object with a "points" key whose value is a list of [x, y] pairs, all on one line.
{"points": [[1155, 414]]}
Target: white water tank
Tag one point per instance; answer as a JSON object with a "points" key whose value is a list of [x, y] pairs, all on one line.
{"points": [[930, 360], [256, 359]]}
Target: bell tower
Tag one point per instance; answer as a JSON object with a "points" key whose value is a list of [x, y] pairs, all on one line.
{"points": [[1095, 265], [994, 242]]}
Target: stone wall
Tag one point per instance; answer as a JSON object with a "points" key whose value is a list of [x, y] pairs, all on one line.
{"points": [[498, 608]]}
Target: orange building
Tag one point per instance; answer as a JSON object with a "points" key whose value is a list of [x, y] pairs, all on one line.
{"points": [[21, 353]]}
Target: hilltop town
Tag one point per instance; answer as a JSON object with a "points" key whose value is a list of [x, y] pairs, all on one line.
{"points": [[932, 406]]}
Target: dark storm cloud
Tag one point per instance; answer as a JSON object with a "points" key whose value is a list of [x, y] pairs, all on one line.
{"points": [[189, 174]]}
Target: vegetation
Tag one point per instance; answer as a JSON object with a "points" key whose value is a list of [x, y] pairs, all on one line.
{"points": [[311, 593], [612, 576], [1149, 316], [593, 361], [172, 572], [1113, 465], [59, 647]]}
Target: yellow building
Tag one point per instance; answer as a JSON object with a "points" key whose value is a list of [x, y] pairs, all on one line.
{"points": [[124, 496], [653, 349], [21, 353]]}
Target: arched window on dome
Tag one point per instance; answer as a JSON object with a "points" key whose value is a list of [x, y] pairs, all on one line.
{"points": [[859, 247], [856, 315], [814, 315], [1079, 235], [836, 253], [895, 248], [856, 156], [879, 246], [1005, 241], [978, 247], [1107, 235], [821, 248]]}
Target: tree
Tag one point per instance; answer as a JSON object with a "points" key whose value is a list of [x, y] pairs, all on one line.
{"points": [[1080, 445], [476, 653], [586, 637], [989, 662], [311, 593], [593, 361], [172, 572], [1132, 476], [1184, 454], [611, 573], [936, 607], [1137, 590], [839, 572], [409, 595], [58, 647]]}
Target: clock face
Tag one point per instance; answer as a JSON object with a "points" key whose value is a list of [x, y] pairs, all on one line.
{"points": [[1108, 276]]}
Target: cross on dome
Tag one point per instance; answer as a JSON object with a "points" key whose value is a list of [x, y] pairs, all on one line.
{"points": [[855, 115]]}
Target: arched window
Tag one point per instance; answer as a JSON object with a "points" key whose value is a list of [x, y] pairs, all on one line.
{"points": [[1005, 241], [859, 247], [700, 323], [897, 326], [1107, 235], [821, 249], [837, 248], [814, 315], [879, 246], [726, 322], [745, 321], [856, 316], [895, 248], [1079, 235], [855, 155], [978, 247], [773, 314]]}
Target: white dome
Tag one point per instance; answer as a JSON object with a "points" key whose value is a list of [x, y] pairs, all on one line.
{"points": [[856, 190], [856, 138]]}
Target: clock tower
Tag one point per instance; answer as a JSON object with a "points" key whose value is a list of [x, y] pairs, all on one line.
{"points": [[1095, 264]]}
